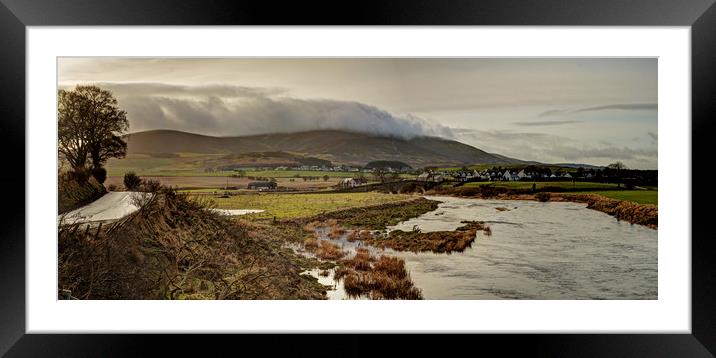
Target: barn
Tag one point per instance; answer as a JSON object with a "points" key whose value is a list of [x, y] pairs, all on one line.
{"points": [[262, 185]]}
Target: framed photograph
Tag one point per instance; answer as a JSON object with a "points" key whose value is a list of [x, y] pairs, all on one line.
{"points": [[501, 176]]}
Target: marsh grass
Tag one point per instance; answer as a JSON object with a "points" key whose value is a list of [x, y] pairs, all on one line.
{"points": [[329, 251], [376, 278], [643, 214], [436, 241]]}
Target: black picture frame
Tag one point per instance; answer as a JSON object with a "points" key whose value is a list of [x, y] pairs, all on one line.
{"points": [[16, 15]]}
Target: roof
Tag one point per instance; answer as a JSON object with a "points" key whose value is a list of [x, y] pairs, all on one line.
{"points": [[261, 183]]}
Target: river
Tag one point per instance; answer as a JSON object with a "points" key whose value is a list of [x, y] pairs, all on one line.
{"points": [[552, 250]]}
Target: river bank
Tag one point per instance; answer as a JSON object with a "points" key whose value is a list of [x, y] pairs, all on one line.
{"points": [[633, 213]]}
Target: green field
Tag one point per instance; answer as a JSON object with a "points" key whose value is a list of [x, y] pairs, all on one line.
{"points": [[637, 196], [567, 185], [284, 206]]}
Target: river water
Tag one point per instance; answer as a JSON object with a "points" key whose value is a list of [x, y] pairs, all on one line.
{"points": [[553, 250]]}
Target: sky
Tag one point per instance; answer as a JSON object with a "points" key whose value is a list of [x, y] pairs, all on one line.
{"points": [[550, 110]]}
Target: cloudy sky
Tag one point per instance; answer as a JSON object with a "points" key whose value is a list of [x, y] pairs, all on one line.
{"points": [[592, 111]]}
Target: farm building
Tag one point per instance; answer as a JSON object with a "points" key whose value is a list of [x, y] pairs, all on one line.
{"points": [[262, 185], [348, 183]]}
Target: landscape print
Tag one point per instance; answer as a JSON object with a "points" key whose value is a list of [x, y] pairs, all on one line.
{"points": [[357, 178]]}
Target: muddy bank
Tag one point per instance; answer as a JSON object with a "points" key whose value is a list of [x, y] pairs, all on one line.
{"points": [[642, 214], [365, 224], [435, 241]]}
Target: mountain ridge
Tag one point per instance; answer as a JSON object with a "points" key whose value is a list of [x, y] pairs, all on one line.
{"points": [[341, 147]]}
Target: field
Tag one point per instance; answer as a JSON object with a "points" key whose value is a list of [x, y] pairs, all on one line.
{"points": [[284, 206], [192, 165], [636, 196], [210, 184], [567, 185]]}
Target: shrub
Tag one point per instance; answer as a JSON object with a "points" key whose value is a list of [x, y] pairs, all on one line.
{"points": [[543, 197], [132, 181], [112, 187], [100, 174], [151, 186], [80, 175]]}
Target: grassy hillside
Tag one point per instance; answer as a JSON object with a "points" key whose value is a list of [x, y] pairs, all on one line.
{"points": [[339, 147]]}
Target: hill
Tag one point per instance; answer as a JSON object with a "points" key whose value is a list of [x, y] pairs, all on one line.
{"points": [[387, 164], [339, 147]]}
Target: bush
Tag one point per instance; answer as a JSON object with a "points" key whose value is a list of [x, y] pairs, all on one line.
{"points": [[112, 187], [151, 186], [132, 181], [543, 197], [80, 175], [100, 174]]}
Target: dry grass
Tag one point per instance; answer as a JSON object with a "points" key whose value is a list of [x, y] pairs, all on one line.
{"points": [[437, 241], [311, 226], [310, 244], [329, 251], [336, 232], [381, 278], [173, 248], [642, 214]]}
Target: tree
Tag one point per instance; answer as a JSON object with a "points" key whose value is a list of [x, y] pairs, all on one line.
{"points": [[132, 181], [379, 174], [618, 167], [326, 177], [90, 126]]}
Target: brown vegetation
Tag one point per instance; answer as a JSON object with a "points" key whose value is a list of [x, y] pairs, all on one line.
{"points": [[74, 191], [310, 243], [329, 251], [643, 214], [381, 278], [174, 249], [437, 241]]}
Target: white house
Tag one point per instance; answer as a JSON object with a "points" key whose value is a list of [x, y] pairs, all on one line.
{"points": [[509, 176], [424, 176], [567, 175], [348, 183], [523, 175]]}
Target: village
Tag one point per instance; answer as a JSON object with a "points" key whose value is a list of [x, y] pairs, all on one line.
{"points": [[366, 175]]}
